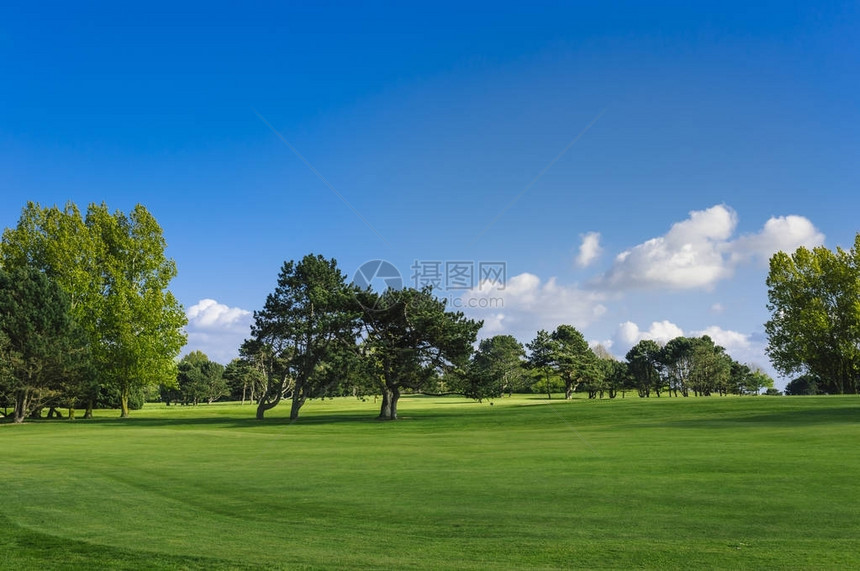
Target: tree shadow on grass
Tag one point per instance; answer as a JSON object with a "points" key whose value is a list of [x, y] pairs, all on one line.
{"points": [[781, 418]]}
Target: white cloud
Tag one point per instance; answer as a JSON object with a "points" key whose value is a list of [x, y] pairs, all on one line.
{"points": [[698, 252], [589, 249], [731, 340], [628, 333], [780, 234], [688, 256], [217, 329], [717, 308], [527, 304], [209, 314]]}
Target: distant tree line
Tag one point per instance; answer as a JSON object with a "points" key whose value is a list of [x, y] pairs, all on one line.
{"points": [[319, 336], [86, 318]]}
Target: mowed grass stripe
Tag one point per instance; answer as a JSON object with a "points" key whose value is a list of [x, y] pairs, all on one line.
{"points": [[719, 482]]}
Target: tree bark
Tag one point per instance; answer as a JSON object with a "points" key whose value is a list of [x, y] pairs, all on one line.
{"points": [[22, 402], [123, 403], [390, 396], [297, 403]]}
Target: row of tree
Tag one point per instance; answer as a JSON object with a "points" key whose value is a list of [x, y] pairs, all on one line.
{"points": [[85, 313], [86, 319], [563, 361], [318, 335]]}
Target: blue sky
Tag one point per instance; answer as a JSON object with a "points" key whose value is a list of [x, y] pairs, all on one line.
{"points": [[633, 165]]}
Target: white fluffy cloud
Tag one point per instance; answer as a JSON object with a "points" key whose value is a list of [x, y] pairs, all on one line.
{"points": [[527, 304], [783, 233], [698, 252], [628, 333], [589, 249], [217, 329]]}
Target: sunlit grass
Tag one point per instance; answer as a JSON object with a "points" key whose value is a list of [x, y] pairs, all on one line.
{"points": [[712, 482]]}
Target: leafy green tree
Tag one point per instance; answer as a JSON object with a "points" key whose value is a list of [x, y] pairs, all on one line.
{"points": [[200, 379], [496, 368], [748, 380], [114, 270], [310, 317], [815, 316], [140, 330], [710, 369], [244, 378], [541, 359], [410, 340], [678, 358], [644, 361], [615, 374], [574, 360], [804, 385], [40, 346]]}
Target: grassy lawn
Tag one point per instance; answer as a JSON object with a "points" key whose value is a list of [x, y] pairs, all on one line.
{"points": [[660, 483]]}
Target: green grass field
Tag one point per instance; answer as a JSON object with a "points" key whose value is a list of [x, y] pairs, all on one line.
{"points": [[749, 482]]}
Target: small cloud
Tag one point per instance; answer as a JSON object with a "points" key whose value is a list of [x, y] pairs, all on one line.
{"points": [[217, 329], [717, 308], [628, 333], [589, 249], [527, 304]]}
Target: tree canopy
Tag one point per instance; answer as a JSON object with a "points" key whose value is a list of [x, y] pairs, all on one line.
{"points": [[113, 268], [41, 349], [409, 339], [309, 318], [815, 315]]}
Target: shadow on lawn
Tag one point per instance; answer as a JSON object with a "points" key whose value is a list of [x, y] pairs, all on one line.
{"points": [[779, 418]]}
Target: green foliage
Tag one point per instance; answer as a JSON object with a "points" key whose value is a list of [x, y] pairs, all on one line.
{"points": [[41, 351], [496, 368], [115, 273], [307, 323], [615, 377], [410, 340], [574, 361], [804, 385], [746, 380], [815, 315], [198, 379], [245, 378], [644, 361]]}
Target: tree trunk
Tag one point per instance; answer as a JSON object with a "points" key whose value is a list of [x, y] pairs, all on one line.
{"points": [[296, 405], [71, 413], [568, 390], [22, 402], [390, 396], [263, 406], [385, 408], [123, 403], [89, 412]]}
